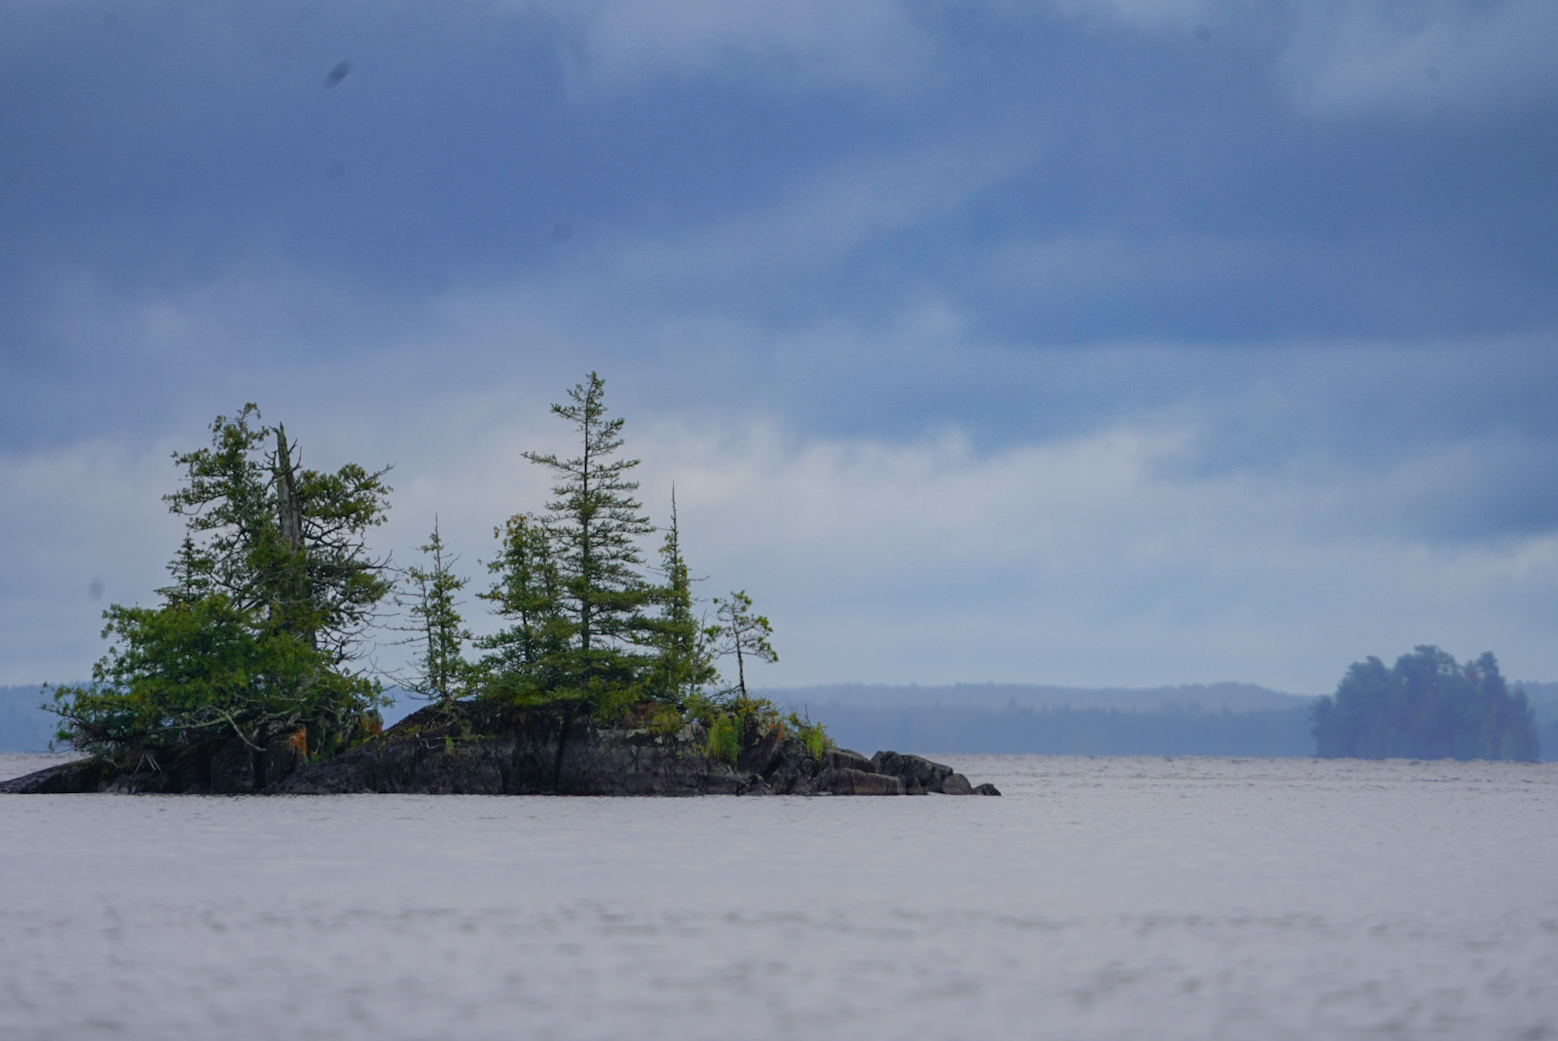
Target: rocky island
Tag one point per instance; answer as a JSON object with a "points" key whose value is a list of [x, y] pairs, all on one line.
{"points": [[601, 677], [479, 749]]}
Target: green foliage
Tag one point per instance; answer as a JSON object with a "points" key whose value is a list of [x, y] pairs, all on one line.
{"points": [[732, 722], [1425, 707], [577, 573], [754, 719], [741, 634], [272, 592], [442, 674], [812, 735], [702, 707], [683, 663], [283, 540], [724, 738], [585, 626], [664, 720], [529, 658]]}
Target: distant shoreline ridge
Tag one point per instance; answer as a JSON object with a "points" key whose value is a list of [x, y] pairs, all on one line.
{"points": [[1242, 720], [1231, 695]]}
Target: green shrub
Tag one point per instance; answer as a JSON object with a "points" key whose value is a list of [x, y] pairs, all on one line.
{"points": [[664, 721], [724, 739], [812, 735]]}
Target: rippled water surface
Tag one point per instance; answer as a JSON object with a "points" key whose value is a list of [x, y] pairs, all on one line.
{"points": [[1100, 898]]}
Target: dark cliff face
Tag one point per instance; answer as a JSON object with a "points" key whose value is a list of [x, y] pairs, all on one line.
{"points": [[488, 750], [539, 752], [229, 767]]}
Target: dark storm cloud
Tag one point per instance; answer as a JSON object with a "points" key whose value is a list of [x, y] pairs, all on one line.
{"points": [[1159, 186], [1124, 185]]}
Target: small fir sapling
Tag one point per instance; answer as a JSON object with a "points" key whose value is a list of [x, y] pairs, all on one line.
{"points": [[442, 673]]}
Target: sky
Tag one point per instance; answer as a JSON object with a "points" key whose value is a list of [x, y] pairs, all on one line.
{"points": [[1084, 342]]}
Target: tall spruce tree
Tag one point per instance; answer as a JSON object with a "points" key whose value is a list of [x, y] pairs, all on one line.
{"points": [[593, 524], [272, 591]]}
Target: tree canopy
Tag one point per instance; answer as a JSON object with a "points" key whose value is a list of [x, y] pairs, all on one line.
{"points": [[740, 634], [272, 595], [581, 565], [1426, 706]]}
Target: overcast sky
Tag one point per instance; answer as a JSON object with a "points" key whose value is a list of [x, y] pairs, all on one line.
{"points": [[1094, 342]]}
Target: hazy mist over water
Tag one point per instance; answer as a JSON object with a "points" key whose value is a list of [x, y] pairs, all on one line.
{"points": [[1100, 898]]}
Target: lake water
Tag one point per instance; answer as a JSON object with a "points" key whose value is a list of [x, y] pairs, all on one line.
{"points": [[1100, 898]]}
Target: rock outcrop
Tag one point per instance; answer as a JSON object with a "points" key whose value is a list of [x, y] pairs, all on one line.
{"points": [[474, 749], [230, 767]]}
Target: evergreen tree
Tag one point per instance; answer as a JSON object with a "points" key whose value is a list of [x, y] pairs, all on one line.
{"points": [[288, 541], [272, 591], [529, 658], [1426, 707], [593, 525], [683, 664], [442, 673], [741, 634]]}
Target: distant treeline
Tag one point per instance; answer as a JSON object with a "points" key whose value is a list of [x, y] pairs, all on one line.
{"points": [[1232, 719], [1071, 731], [1209, 697]]}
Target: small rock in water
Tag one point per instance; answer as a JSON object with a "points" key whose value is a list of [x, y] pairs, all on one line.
{"points": [[919, 775], [956, 784]]}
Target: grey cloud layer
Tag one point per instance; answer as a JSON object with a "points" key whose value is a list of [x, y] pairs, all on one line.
{"points": [[1153, 185], [1099, 558], [1310, 249]]}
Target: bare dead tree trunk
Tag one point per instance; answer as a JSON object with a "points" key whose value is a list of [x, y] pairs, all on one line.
{"points": [[287, 494]]}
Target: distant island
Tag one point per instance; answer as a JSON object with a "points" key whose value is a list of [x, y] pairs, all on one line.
{"points": [[1426, 706]]}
